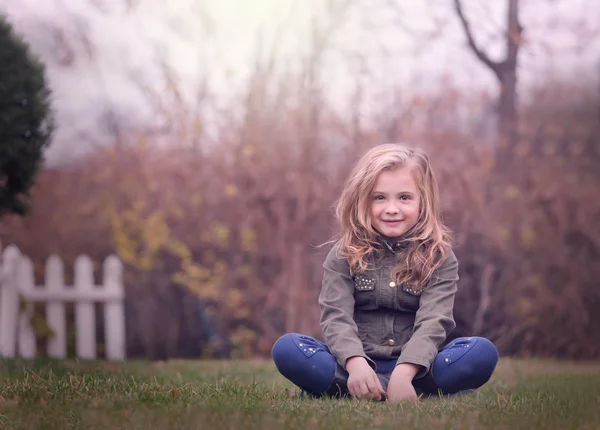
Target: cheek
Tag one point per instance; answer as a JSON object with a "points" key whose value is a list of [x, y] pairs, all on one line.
{"points": [[373, 211], [415, 212]]}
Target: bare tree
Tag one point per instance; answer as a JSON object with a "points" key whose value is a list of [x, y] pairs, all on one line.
{"points": [[506, 73]]}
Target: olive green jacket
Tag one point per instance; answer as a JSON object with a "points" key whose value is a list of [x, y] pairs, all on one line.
{"points": [[367, 315]]}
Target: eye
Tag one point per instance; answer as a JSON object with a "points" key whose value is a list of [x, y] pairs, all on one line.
{"points": [[405, 197], [378, 197]]}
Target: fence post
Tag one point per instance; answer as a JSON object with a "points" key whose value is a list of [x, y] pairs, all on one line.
{"points": [[26, 282], [114, 312], [85, 317], [9, 302], [55, 310], [17, 278]]}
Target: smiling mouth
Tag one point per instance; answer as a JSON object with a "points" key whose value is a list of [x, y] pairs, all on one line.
{"points": [[392, 221]]}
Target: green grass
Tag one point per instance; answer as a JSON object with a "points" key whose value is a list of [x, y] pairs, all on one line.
{"points": [[523, 394]]}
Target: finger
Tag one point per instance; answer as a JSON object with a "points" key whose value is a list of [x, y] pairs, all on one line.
{"points": [[352, 389], [364, 389], [373, 389], [375, 385], [379, 386]]}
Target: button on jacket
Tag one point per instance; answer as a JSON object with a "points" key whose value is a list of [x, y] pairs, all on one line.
{"points": [[368, 315]]}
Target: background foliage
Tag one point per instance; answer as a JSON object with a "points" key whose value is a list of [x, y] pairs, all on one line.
{"points": [[221, 237]]}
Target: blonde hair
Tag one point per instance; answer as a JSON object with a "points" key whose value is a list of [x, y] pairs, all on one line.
{"points": [[425, 246]]}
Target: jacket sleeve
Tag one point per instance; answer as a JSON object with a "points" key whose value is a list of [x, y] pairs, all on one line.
{"points": [[336, 302], [434, 319]]}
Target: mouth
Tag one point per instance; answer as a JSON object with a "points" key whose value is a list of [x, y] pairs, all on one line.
{"points": [[392, 222]]}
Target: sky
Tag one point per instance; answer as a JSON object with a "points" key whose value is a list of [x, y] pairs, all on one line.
{"points": [[106, 55]]}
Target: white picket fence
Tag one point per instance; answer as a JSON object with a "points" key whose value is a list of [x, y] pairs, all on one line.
{"points": [[17, 337]]}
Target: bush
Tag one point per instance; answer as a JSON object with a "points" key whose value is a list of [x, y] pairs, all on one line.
{"points": [[26, 122]]}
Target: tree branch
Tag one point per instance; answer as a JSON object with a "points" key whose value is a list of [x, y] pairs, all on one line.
{"points": [[482, 56], [513, 39]]}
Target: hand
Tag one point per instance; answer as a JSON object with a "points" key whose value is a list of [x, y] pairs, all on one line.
{"points": [[400, 387], [363, 382]]}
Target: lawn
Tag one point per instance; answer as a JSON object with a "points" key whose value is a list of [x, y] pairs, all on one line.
{"points": [[523, 394]]}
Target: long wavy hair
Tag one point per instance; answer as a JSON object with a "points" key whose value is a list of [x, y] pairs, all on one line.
{"points": [[424, 247]]}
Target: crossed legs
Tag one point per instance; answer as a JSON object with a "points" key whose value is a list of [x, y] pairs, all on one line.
{"points": [[465, 363]]}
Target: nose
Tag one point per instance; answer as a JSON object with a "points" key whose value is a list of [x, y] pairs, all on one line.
{"points": [[392, 208]]}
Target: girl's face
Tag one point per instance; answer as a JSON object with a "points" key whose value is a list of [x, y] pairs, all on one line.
{"points": [[395, 202]]}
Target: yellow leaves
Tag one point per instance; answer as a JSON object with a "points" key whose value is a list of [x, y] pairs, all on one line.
{"points": [[138, 206], [248, 238], [535, 281], [231, 191], [195, 271], [212, 347], [524, 307], [243, 340], [512, 192], [234, 298], [236, 305], [179, 249], [528, 237], [138, 239], [248, 151], [503, 233], [177, 211], [218, 234], [196, 201], [36, 320], [155, 232], [206, 282], [141, 233], [125, 245], [220, 269], [526, 311], [221, 231], [245, 272]]}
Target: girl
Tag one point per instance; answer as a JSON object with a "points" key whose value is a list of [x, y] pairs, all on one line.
{"points": [[387, 294]]}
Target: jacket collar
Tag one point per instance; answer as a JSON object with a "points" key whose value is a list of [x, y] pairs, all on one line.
{"points": [[392, 245]]}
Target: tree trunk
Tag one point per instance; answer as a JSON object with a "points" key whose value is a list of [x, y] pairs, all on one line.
{"points": [[507, 119], [506, 73]]}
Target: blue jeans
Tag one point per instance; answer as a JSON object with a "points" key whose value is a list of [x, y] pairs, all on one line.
{"points": [[465, 363]]}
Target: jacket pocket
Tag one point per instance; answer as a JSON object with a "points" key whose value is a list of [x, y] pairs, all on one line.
{"points": [[410, 298], [365, 293]]}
